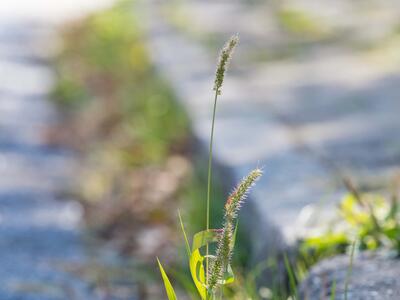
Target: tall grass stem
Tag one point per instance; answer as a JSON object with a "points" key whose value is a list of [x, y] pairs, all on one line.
{"points": [[223, 62], [209, 175]]}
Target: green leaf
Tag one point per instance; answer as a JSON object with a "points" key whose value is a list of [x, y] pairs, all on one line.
{"points": [[235, 234], [352, 212], [292, 278], [184, 235], [229, 277], [167, 284], [196, 265], [198, 274], [203, 238]]}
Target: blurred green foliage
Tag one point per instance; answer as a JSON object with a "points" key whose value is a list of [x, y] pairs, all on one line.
{"points": [[369, 219], [105, 63], [300, 23]]}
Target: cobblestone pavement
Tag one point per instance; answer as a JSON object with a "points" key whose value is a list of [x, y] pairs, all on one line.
{"points": [[41, 248], [373, 276], [311, 103]]}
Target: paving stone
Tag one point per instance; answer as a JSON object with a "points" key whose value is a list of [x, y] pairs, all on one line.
{"points": [[373, 276], [308, 118]]}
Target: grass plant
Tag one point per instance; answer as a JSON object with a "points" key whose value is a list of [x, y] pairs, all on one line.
{"points": [[210, 273], [144, 124]]}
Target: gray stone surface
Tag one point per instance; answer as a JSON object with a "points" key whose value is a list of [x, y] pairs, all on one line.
{"points": [[373, 276], [326, 108], [42, 254]]}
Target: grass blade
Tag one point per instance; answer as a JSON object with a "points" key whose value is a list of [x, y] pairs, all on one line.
{"points": [[235, 233], [184, 235], [167, 284], [198, 273], [292, 279]]}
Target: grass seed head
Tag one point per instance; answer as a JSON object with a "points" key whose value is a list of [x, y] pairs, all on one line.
{"points": [[239, 194], [225, 240], [224, 58]]}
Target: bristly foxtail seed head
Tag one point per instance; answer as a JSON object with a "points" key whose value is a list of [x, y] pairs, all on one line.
{"points": [[224, 58], [225, 244], [239, 194]]}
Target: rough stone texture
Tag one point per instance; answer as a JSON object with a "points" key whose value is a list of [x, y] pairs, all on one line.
{"points": [[327, 109], [42, 254], [373, 276]]}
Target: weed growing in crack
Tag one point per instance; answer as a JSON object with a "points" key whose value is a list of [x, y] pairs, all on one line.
{"points": [[210, 272]]}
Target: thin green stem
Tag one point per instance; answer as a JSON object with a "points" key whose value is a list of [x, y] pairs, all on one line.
{"points": [[350, 270], [209, 175]]}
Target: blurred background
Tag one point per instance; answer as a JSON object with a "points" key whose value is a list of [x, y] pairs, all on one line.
{"points": [[105, 112]]}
